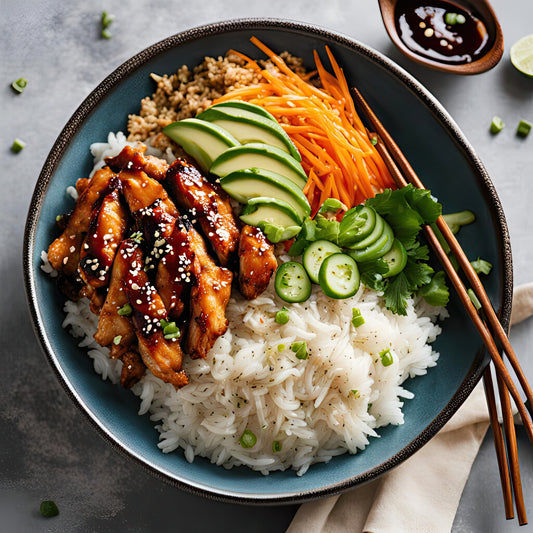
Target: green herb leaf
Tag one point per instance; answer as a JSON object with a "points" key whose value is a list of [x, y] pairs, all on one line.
{"points": [[396, 294], [332, 205], [436, 292], [481, 266]]}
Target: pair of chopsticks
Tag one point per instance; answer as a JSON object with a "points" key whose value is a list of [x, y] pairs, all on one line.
{"points": [[485, 321]]}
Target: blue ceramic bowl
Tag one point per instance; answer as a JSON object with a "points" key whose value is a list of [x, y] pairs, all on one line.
{"points": [[437, 150]]}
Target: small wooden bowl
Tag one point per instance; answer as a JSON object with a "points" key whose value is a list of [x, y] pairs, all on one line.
{"points": [[484, 63]]}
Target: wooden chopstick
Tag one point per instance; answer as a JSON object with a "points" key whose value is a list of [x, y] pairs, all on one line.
{"points": [[511, 455], [505, 383], [470, 273], [499, 444]]}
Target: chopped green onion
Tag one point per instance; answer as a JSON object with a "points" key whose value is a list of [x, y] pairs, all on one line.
{"points": [[170, 330], [481, 266], [19, 85], [356, 393], [300, 349], [374, 141], [117, 339], [523, 129], [357, 318], [282, 316], [496, 125], [461, 19], [106, 34], [136, 237], [473, 297], [49, 508], [386, 357], [451, 18], [281, 347], [248, 439], [59, 218], [17, 146], [107, 19], [276, 446], [125, 310]]}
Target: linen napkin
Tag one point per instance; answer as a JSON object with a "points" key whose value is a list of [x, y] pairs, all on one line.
{"points": [[403, 500]]}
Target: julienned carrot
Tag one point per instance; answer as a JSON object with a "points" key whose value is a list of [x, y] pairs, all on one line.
{"points": [[337, 153]]}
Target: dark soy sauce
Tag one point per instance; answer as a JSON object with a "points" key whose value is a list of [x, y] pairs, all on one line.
{"points": [[441, 31]]}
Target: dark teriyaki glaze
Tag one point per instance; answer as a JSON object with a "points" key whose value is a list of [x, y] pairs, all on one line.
{"points": [[424, 27]]}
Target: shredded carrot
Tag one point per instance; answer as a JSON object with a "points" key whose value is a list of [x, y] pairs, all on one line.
{"points": [[337, 154]]}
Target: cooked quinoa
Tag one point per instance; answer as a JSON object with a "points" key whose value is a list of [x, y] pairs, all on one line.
{"points": [[186, 93]]}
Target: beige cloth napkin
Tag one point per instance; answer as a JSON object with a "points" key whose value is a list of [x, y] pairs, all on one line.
{"points": [[422, 494]]}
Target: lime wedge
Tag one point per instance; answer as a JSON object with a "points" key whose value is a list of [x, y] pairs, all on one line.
{"points": [[522, 55]]}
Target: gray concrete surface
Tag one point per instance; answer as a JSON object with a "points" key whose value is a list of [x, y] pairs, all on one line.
{"points": [[47, 448]]}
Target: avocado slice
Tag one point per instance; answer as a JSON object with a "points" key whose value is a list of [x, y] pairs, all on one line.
{"points": [[242, 185], [204, 141], [250, 128], [259, 155], [245, 106], [261, 210]]}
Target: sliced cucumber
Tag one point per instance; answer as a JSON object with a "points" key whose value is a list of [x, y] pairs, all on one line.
{"points": [[202, 140], [396, 259], [251, 128], [356, 224], [259, 155], [315, 254], [373, 236], [242, 185], [292, 283], [245, 106], [377, 249], [339, 276]]}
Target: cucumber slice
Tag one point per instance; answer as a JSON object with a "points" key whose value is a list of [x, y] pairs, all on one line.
{"points": [[339, 276], [315, 254], [245, 106], [396, 259], [259, 155], [292, 283], [356, 224], [373, 236], [203, 141], [377, 249]]}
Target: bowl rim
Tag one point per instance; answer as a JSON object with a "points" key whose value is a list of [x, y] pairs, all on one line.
{"points": [[249, 24]]}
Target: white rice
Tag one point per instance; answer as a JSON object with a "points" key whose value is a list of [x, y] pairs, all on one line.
{"points": [[252, 380]]}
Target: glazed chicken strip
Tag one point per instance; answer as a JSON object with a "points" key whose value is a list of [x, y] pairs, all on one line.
{"points": [[257, 262], [159, 348], [209, 298], [208, 204], [175, 270], [133, 369], [134, 158], [107, 226], [64, 252]]}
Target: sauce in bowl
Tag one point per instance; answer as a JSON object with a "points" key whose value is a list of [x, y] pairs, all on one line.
{"points": [[441, 31]]}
